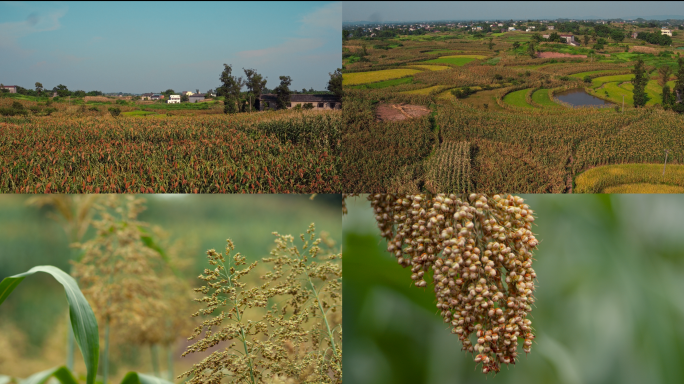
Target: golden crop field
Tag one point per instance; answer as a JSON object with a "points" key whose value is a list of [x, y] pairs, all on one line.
{"points": [[266, 152], [373, 76]]}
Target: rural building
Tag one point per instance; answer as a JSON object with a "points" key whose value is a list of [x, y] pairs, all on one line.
{"points": [[500, 24], [146, 96], [196, 97], [318, 101], [666, 32], [634, 35], [174, 99], [546, 36], [187, 93], [551, 27], [528, 30], [511, 29], [478, 28], [156, 97], [12, 88], [570, 39]]}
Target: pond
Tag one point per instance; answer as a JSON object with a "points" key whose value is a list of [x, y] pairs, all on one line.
{"points": [[580, 98]]}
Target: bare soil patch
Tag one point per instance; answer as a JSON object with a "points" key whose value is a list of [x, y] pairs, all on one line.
{"points": [[554, 55], [397, 112]]}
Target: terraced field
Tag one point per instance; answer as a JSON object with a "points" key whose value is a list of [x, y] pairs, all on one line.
{"points": [[517, 98], [458, 60], [541, 97], [516, 145], [375, 76]]}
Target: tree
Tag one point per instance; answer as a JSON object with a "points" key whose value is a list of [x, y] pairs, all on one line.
{"points": [[617, 35], [639, 81], [283, 92], [664, 73], [536, 38], [530, 49], [666, 96], [679, 83], [335, 83], [39, 88], [586, 40], [554, 37], [491, 43], [79, 93], [62, 90], [231, 87], [255, 83], [184, 98]]}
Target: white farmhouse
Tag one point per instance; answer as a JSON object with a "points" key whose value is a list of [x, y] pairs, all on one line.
{"points": [[666, 32], [174, 99]]}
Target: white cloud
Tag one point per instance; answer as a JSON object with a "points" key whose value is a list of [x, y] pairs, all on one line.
{"points": [[328, 16], [12, 30], [289, 47]]}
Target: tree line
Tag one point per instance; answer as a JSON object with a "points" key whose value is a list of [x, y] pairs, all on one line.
{"points": [[238, 101], [61, 90]]}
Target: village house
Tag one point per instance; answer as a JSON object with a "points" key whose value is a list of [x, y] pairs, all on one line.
{"points": [[550, 27], [666, 32], [569, 39], [196, 97], [174, 99], [511, 29], [500, 24], [156, 97], [12, 88], [319, 102], [146, 96], [546, 36], [634, 35]]}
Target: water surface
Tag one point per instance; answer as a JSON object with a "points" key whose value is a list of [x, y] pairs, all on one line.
{"points": [[580, 98]]}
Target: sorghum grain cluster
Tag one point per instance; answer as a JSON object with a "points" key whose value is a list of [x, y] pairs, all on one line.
{"points": [[480, 251]]}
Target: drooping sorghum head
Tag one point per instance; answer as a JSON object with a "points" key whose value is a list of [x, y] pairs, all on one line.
{"points": [[479, 248]]}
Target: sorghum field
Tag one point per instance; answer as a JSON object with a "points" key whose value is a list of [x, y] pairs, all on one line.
{"points": [[500, 105], [265, 152]]}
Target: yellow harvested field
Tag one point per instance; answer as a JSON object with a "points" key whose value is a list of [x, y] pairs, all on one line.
{"points": [[644, 188], [373, 76], [622, 176], [431, 67], [423, 91]]}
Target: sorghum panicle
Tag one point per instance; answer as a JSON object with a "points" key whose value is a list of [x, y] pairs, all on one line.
{"points": [[480, 251]]}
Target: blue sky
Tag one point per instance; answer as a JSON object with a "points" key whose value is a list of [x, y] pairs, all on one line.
{"points": [[504, 10], [153, 46]]}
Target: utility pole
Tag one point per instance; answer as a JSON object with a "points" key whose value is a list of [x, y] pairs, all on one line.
{"points": [[666, 151]]}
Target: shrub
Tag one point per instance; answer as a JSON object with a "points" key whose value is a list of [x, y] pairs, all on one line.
{"points": [[564, 78], [115, 111], [308, 106], [94, 109], [587, 79], [17, 105], [13, 112], [121, 102], [48, 111]]}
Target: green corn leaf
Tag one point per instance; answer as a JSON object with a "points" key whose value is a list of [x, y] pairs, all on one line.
{"points": [[62, 374], [82, 317], [139, 378]]}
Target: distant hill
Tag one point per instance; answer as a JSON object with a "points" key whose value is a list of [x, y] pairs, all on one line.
{"points": [[657, 17]]}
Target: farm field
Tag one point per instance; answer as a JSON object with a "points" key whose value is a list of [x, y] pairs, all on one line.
{"points": [[370, 77], [502, 102], [266, 152], [631, 177]]}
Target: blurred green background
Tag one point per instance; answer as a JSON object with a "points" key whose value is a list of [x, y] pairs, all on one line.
{"points": [[609, 309], [33, 318]]}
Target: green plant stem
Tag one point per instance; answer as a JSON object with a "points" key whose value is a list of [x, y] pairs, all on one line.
{"points": [[169, 353], [154, 351], [325, 319], [105, 357], [242, 331]]}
